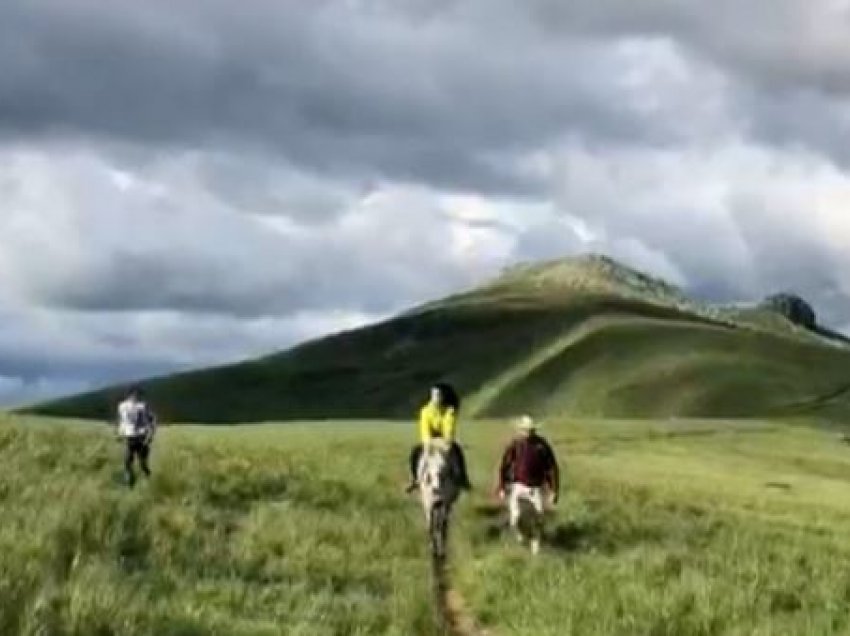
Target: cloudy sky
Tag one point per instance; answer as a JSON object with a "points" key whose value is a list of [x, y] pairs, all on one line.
{"points": [[184, 182]]}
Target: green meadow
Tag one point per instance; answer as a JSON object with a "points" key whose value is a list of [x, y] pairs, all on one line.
{"points": [[665, 527]]}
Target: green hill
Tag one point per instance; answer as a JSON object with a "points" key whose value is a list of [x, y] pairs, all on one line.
{"points": [[584, 336]]}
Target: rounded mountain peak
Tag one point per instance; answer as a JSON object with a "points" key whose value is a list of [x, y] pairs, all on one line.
{"points": [[588, 272]]}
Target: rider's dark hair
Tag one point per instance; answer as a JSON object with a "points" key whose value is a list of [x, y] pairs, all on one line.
{"points": [[450, 397], [135, 391]]}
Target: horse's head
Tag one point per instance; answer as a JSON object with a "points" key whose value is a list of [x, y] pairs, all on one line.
{"points": [[434, 473]]}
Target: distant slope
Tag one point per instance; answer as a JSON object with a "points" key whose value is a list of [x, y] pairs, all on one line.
{"points": [[576, 336], [620, 368]]}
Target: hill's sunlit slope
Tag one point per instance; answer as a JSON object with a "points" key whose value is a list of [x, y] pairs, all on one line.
{"points": [[585, 336]]}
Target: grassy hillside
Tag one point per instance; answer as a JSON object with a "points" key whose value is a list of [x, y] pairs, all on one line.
{"points": [[690, 527], [628, 367], [581, 336]]}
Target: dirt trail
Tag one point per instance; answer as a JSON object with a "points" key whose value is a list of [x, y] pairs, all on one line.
{"points": [[454, 616]]}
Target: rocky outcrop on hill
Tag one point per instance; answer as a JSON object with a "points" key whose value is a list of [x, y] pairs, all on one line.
{"points": [[793, 307]]}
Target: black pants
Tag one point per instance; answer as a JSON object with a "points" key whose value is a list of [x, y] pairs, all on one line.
{"points": [[136, 447], [456, 459]]}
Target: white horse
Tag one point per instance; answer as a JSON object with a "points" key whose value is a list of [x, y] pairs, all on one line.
{"points": [[439, 490]]}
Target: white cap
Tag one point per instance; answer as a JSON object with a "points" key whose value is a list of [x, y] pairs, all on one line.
{"points": [[526, 423]]}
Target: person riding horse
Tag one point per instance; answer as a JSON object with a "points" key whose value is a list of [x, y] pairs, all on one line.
{"points": [[439, 490], [438, 420]]}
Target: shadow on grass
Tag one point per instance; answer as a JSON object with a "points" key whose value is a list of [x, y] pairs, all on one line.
{"points": [[494, 521], [569, 537], [601, 531]]}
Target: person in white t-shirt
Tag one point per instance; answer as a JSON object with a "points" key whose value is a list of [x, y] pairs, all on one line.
{"points": [[137, 426]]}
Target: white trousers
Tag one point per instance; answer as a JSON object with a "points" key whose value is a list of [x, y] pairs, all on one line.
{"points": [[520, 493]]}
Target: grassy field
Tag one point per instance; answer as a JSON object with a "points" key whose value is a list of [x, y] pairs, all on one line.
{"points": [[260, 530], [683, 528], [666, 527]]}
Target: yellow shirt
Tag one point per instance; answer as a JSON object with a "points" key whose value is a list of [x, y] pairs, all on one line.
{"points": [[436, 422]]}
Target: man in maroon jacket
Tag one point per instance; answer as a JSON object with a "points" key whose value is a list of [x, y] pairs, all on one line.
{"points": [[528, 468]]}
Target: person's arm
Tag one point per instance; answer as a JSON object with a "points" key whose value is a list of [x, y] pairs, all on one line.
{"points": [[504, 470], [424, 425], [115, 424], [450, 424], [554, 473], [152, 423]]}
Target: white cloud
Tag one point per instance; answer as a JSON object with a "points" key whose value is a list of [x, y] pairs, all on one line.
{"points": [[735, 219]]}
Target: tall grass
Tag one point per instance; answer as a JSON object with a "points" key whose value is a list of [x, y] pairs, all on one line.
{"points": [[257, 533], [720, 529], [672, 528]]}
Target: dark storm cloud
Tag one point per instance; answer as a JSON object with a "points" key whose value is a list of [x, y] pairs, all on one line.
{"points": [[753, 38], [334, 89], [789, 60]]}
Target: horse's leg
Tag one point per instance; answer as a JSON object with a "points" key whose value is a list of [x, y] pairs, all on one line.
{"points": [[435, 528], [444, 525], [426, 508], [439, 530]]}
